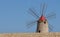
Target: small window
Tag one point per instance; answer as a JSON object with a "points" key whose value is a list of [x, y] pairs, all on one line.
{"points": [[44, 22], [39, 31]]}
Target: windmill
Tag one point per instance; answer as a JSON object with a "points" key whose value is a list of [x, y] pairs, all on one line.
{"points": [[42, 23]]}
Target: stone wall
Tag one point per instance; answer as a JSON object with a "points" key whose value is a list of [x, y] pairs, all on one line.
{"points": [[52, 34]]}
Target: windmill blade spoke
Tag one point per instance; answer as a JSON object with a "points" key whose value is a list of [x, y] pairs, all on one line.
{"points": [[33, 12], [50, 27], [44, 8], [52, 15], [40, 9], [30, 24]]}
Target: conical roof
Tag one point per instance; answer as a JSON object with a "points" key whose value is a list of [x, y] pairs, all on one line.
{"points": [[42, 18]]}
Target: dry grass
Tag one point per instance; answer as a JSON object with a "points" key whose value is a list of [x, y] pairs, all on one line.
{"points": [[52, 34]]}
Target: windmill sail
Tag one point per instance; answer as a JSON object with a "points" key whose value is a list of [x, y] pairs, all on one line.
{"points": [[32, 12], [42, 23]]}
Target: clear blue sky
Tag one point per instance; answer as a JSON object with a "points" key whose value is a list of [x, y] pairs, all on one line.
{"points": [[14, 15]]}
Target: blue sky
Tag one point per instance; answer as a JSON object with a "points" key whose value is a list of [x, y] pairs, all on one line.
{"points": [[14, 16]]}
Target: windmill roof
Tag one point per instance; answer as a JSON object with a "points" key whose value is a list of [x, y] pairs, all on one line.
{"points": [[42, 18]]}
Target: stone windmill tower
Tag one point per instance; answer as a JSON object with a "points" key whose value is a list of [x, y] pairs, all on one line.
{"points": [[42, 23]]}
